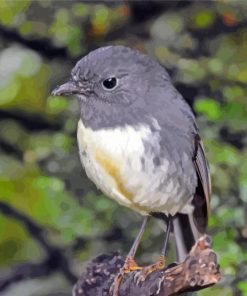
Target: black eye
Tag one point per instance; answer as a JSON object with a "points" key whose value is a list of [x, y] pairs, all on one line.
{"points": [[110, 83]]}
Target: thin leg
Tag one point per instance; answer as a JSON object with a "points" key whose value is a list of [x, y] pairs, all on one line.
{"points": [[136, 243], [168, 230], [161, 263], [129, 264]]}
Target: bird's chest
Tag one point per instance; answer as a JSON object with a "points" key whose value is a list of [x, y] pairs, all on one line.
{"points": [[112, 159], [128, 165]]}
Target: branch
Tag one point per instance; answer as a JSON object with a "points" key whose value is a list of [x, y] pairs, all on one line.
{"points": [[56, 258], [141, 13], [33, 122], [42, 45], [199, 271], [36, 231], [11, 149], [26, 271]]}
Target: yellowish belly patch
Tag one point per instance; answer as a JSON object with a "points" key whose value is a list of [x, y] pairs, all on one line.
{"points": [[111, 168], [113, 171]]}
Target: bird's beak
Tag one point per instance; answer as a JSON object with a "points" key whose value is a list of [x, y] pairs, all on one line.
{"points": [[66, 89]]}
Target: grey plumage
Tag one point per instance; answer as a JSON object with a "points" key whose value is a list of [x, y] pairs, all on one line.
{"points": [[145, 100]]}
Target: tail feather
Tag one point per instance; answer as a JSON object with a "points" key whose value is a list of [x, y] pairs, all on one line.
{"points": [[185, 233]]}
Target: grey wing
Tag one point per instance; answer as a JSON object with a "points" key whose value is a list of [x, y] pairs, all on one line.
{"points": [[180, 133], [201, 200]]}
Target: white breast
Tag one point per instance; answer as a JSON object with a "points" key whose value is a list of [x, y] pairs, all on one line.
{"points": [[113, 160]]}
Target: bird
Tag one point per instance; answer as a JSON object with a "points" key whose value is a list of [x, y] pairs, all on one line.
{"points": [[139, 143]]}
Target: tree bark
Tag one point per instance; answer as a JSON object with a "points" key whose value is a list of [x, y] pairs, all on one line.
{"points": [[198, 271]]}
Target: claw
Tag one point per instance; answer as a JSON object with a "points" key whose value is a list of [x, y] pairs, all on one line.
{"points": [[146, 271], [136, 276], [129, 266]]}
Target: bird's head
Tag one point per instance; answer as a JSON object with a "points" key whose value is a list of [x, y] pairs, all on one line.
{"points": [[111, 78]]}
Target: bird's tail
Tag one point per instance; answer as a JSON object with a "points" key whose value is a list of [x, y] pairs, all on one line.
{"points": [[185, 233]]}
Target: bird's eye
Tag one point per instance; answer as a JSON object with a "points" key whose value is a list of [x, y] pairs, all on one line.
{"points": [[110, 83]]}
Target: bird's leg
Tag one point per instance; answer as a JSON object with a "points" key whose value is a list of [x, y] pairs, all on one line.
{"points": [[161, 263], [129, 264]]}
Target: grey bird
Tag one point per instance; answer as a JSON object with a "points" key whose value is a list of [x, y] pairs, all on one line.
{"points": [[139, 143]]}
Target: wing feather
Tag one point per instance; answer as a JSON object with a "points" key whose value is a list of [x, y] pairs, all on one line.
{"points": [[202, 196]]}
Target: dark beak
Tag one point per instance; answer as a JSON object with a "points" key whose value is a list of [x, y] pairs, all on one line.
{"points": [[66, 89]]}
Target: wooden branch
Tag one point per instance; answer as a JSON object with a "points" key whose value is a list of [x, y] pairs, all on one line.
{"points": [[198, 271]]}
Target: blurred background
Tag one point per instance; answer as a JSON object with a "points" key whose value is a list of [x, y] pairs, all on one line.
{"points": [[52, 218]]}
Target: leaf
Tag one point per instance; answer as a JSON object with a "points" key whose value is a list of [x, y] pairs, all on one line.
{"points": [[208, 107]]}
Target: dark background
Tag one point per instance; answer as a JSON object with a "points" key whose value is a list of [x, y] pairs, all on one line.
{"points": [[52, 219]]}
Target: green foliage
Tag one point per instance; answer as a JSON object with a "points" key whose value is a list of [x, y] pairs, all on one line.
{"points": [[10, 12], [209, 108], [203, 19], [243, 287], [40, 172]]}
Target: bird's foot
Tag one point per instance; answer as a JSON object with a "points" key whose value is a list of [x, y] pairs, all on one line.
{"points": [[129, 266], [147, 270]]}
